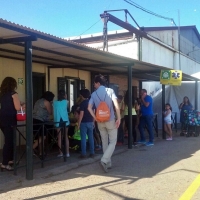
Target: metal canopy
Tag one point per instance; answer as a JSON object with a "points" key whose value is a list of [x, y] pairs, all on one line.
{"points": [[60, 53]]}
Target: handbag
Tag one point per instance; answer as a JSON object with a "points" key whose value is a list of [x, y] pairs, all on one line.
{"points": [[21, 115]]}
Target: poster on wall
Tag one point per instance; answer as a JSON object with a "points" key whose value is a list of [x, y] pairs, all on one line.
{"points": [[171, 77]]}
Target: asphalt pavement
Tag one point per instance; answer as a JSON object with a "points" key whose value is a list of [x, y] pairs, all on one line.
{"points": [[165, 171]]}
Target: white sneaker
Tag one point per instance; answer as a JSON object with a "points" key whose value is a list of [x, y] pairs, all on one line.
{"points": [[169, 139], [60, 155], [104, 166]]}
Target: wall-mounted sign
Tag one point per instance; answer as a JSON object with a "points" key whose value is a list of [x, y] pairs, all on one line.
{"points": [[20, 81], [171, 77]]}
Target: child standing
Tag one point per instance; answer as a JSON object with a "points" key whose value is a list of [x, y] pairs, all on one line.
{"points": [[86, 124], [168, 121]]}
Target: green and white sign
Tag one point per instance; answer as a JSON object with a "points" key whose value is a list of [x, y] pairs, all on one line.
{"points": [[165, 74], [20, 81]]}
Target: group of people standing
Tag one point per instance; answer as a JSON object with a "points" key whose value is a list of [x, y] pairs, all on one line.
{"points": [[142, 116], [45, 107], [110, 130]]}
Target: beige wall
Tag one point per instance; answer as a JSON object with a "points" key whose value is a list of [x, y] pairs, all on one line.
{"points": [[54, 73], [16, 69], [122, 81]]}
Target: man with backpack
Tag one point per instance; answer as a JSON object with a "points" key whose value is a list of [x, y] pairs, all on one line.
{"points": [[104, 98]]}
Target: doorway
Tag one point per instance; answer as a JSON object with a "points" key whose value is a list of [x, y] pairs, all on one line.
{"points": [[72, 87], [38, 86]]}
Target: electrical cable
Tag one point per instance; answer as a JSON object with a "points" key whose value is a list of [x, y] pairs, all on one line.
{"points": [[148, 11], [88, 28], [94, 23]]}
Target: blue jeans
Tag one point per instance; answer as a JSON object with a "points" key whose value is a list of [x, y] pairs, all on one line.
{"points": [[146, 122], [87, 128]]}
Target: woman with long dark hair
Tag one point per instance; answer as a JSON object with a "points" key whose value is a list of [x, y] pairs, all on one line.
{"points": [[9, 105], [185, 107], [41, 114]]}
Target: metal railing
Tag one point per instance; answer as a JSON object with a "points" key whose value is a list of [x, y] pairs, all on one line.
{"points": [[51, 139]]}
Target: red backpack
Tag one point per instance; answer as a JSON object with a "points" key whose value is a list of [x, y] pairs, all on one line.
{"points": [[102, 111]]}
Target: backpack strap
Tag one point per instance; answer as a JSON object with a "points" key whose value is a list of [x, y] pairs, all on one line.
{"points": [[104, 97]]}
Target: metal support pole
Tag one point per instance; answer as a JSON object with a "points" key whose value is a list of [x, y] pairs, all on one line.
{"points": [[105, 32], [126, 16], [179, 40], [48, 71], [139, 39], [163, 108], [140, 86], [29, 110], [130, 139], [196, 95]]}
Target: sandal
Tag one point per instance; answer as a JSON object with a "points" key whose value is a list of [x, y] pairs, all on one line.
{"points": [[6, 167], [11, 163]]}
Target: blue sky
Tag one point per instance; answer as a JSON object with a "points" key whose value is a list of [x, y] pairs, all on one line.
{"points": [[64, 18]]}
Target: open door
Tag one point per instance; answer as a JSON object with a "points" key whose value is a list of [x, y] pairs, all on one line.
{"points": [[72, 86], [38, 86]]}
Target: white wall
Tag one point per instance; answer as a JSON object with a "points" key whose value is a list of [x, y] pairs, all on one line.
{"points": [[189, 66], [169, 37], [157, 54], [127, 48]]}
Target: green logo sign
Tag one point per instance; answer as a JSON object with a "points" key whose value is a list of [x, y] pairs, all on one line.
{"points": [[166, 74]]}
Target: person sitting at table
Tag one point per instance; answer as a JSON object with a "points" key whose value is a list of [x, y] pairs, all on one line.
{"points": [[41, 113], [61, 114]]}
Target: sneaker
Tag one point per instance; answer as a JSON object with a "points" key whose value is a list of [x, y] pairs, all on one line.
{"points": [[67, 155], [104, 166], [60, 155], [148, 144], [109, 165], [168, 139], [141, 142]]}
